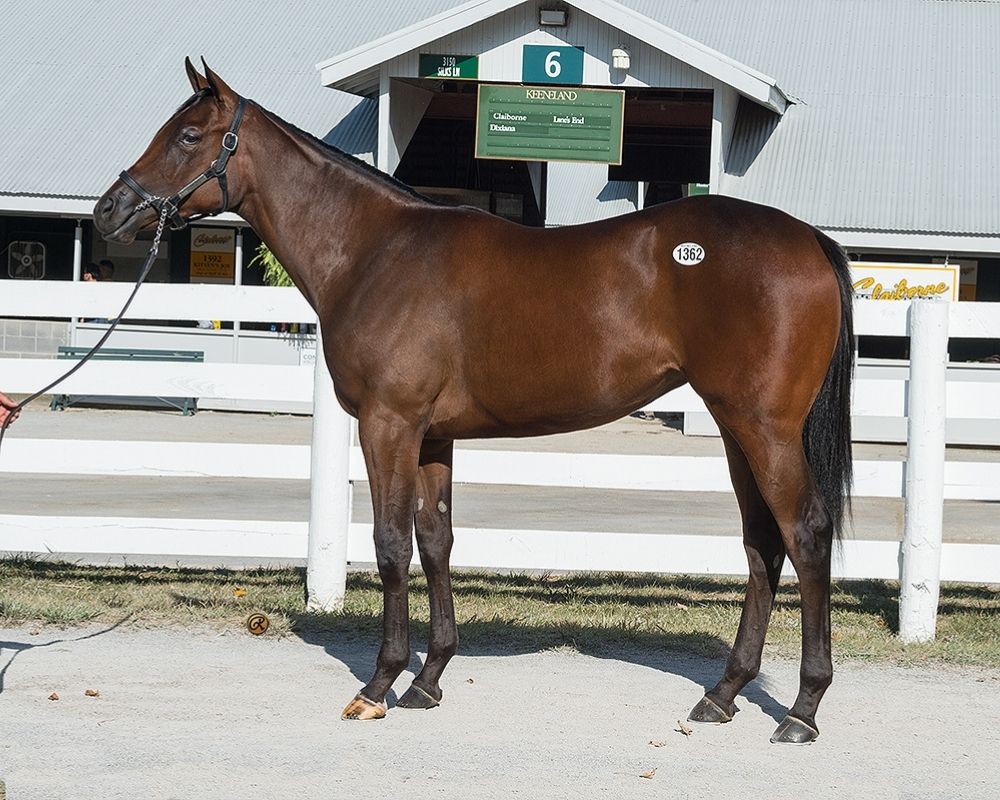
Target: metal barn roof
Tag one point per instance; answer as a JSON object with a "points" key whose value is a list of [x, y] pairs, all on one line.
{"points": [[86, 84], [897, 104], [892, 126]]}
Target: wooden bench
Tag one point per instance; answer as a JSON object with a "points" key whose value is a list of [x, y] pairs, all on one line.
{"points": [[187, 405]]}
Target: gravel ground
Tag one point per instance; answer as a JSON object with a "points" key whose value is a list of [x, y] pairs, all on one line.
{"points": [[203, 714]]}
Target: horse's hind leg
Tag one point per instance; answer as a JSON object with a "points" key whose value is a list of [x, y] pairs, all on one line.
{"points": [[765, 554], [774, 451], [391, 447], [434, 540]]}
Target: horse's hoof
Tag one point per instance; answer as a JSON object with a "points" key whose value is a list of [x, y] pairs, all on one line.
{"points": [[708, 710], [363, 708], [794, 731], [415, 697]]}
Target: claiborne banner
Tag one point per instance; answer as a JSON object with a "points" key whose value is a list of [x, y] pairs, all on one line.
{"points": [[876, 280], [546, 123], [213, 255]]}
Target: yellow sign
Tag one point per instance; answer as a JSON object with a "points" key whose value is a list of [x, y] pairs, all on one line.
{"points": [[889, 281], [213, 255]]}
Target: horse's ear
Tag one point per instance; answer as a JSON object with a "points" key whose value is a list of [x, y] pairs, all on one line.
{"points": [[219, 88], [198, 82]]}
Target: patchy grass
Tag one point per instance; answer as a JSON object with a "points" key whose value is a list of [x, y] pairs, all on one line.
{"points": [[507, 613]]}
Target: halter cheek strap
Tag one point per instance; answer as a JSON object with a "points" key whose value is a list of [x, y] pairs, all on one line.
{"points": [[169, 207]]}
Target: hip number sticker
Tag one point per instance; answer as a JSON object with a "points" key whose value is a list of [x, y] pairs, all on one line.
{"points": [[689, 254]]}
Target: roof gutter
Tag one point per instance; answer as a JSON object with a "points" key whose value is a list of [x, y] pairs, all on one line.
{"points": [[369, 55]]}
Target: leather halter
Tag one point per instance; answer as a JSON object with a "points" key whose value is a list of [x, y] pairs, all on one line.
{"points": [[170, 206]]}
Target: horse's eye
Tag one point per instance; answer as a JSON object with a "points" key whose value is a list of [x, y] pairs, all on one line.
{"points": [[188, 137]]}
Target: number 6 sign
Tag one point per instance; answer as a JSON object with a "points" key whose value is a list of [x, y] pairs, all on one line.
{"points": [[542, 63]]}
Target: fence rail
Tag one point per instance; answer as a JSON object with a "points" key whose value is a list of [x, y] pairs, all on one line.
{"points": [[970, 396], [489, 548], [963, 480]]}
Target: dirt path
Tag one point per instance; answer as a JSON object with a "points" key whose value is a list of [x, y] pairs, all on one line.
{"points": [[207, 715]]}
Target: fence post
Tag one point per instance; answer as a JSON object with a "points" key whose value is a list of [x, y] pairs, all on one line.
{"points": [[925, 435], [329, 494]]}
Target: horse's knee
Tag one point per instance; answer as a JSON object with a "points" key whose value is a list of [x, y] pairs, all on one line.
{"points": [[393, 551], [434, 536], [435, 551]]}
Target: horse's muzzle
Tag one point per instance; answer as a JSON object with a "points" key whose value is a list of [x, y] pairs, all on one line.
{"points": [[115, 217]]}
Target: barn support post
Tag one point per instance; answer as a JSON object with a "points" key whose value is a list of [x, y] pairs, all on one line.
{"points": [[329, 494], [78, 251], [237, 281], [920, 570], [77, 272]]}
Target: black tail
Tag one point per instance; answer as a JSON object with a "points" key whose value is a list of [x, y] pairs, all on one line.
{"points": [[827, 432]]}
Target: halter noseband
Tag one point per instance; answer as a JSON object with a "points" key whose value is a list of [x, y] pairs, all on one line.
{"points": [[170, 207]]}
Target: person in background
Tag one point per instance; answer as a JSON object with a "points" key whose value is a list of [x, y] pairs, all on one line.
{"points": [[91, 275], [104, 271], [7, 407]]}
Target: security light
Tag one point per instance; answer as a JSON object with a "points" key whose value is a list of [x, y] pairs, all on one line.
{"points": [[552, 16]]}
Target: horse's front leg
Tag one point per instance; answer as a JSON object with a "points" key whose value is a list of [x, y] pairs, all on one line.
{"points": [[391, 446], [434, 540]]}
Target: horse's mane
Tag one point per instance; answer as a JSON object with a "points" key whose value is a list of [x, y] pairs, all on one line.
{"points": [[351, 162]]}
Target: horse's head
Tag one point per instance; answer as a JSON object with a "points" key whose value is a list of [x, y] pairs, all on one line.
{"points": [[178, 165]]}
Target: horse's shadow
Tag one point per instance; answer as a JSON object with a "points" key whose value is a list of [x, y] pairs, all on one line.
{"points": [[353, 640], [16, 648]]}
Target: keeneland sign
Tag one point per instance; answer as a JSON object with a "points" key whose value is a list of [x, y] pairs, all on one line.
{"points": [[538, 123]]}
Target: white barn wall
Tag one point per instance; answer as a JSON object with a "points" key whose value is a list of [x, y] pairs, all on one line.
{"points": [[406, 109], [579, 193], [500, 41], [725, 101]]}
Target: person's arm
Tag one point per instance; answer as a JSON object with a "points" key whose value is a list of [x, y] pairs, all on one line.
{"points": [[6, 407]]}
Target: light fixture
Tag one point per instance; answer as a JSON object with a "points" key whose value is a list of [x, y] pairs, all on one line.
{"points": [[552, 16], [620, 58]]}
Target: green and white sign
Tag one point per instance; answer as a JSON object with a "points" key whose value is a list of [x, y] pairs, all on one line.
{"points": [[436, 65], [542, 63], [545, 123]]}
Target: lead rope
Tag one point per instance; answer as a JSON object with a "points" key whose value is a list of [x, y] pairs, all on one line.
{"points": [[165, 211]]}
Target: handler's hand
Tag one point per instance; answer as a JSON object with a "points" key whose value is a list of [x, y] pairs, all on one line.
{"points": [[6, 407]]}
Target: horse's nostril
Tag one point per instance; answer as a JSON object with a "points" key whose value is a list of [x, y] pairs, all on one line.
{"points": [[107, 205]]}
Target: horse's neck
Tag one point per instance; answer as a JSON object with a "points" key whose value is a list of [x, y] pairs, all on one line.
{"points": [[311, 210]]}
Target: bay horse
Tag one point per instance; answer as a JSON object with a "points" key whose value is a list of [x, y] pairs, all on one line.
{"points": [[441, 323]]}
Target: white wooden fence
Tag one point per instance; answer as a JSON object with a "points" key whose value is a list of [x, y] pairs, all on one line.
{"points": [[491, 548]]}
